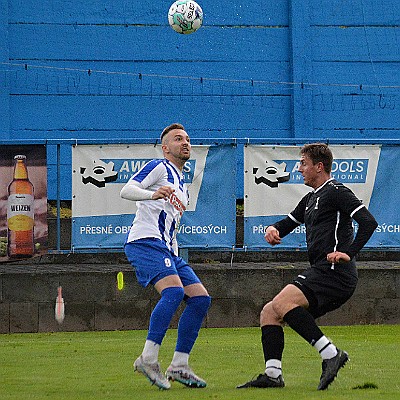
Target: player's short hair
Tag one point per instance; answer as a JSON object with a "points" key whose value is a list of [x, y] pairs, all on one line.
{"points": [[171, 127], [319, 152]]}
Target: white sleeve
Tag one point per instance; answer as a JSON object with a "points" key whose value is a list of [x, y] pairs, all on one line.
{"points": [[133, 190]]}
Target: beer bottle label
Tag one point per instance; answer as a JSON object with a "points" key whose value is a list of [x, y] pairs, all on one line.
{"points": [[20, 213]]}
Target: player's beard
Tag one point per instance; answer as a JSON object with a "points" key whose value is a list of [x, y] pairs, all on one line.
{"points": [[180, 158], [185, 155]]}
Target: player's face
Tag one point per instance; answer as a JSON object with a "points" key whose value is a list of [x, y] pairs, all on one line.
{"points": [[310, 171], [177, 146]]}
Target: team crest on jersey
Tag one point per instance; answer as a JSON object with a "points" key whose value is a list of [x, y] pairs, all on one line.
{"points": [[178, 205]]}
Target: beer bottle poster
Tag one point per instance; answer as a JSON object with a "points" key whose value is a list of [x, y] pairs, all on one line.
{"points": [[23, 201]]}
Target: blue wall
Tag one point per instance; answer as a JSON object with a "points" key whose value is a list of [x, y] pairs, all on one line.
{"points": [[270, 69]]}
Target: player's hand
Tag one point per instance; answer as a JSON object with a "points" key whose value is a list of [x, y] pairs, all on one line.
{"points": [[272, 235], [163, 193], [338, 257]]}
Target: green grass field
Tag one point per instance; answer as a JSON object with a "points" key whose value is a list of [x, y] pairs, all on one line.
{"points": [[98, 365]]}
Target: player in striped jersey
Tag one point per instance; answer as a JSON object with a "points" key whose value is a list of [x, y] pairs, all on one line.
{"points": [[327, 213], [151, 248]]}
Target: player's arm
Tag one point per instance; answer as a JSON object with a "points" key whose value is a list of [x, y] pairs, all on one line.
{"points": [[366, 227], [141, 185], [134, 191], [348, 202], [275, 232]]}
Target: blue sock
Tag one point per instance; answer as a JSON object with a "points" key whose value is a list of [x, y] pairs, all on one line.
{"points": [[163, 312], [190, 322]]}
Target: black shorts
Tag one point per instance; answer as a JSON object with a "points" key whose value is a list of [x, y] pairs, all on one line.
{"points": [[327, 289]]}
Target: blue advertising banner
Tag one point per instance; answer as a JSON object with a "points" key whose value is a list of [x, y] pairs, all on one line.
{"points": [[385, 200], [273, 187], [101, 219]]}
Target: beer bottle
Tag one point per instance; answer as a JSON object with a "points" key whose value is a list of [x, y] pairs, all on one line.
{"points": [[20, 212]]}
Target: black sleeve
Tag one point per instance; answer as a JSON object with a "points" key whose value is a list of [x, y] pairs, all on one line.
{"points": [[349, 203], [366, 227], [285, 226], [293, 220]]}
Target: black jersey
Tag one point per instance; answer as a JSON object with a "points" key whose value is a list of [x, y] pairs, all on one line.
{"points": [[327, 213]]}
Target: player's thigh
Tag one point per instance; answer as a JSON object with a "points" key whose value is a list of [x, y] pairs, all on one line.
{"points": [[195, 289], [152, 262], [168, 281], [289, 298], [191, 282]]}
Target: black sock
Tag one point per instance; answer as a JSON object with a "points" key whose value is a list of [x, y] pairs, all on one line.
{"points": [[302, 322], [273, 341]]}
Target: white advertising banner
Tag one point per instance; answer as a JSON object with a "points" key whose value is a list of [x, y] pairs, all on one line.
{"points": [[273, 185], [101, 218], [104, 170]]}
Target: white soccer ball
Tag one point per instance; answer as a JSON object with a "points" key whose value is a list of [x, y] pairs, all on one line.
{"points": [[185, 16]]}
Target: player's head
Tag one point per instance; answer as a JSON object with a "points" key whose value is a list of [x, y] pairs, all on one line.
{"points": [[176, 144], [169, 128], [318, 152]]}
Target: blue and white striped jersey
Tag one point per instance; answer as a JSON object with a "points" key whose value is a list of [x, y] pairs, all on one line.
{"points": [[159, 218]]}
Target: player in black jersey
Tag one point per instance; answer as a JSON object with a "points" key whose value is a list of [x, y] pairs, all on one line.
{"points": [[327, 212]]}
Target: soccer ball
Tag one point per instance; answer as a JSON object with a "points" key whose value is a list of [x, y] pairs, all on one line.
{"points": [[185, 16]]}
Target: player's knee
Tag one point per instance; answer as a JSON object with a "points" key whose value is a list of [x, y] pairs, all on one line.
{"points": [[277, 306], [266, 312], [271, 313], [281, 305], [199, 303], [173, 294]]}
